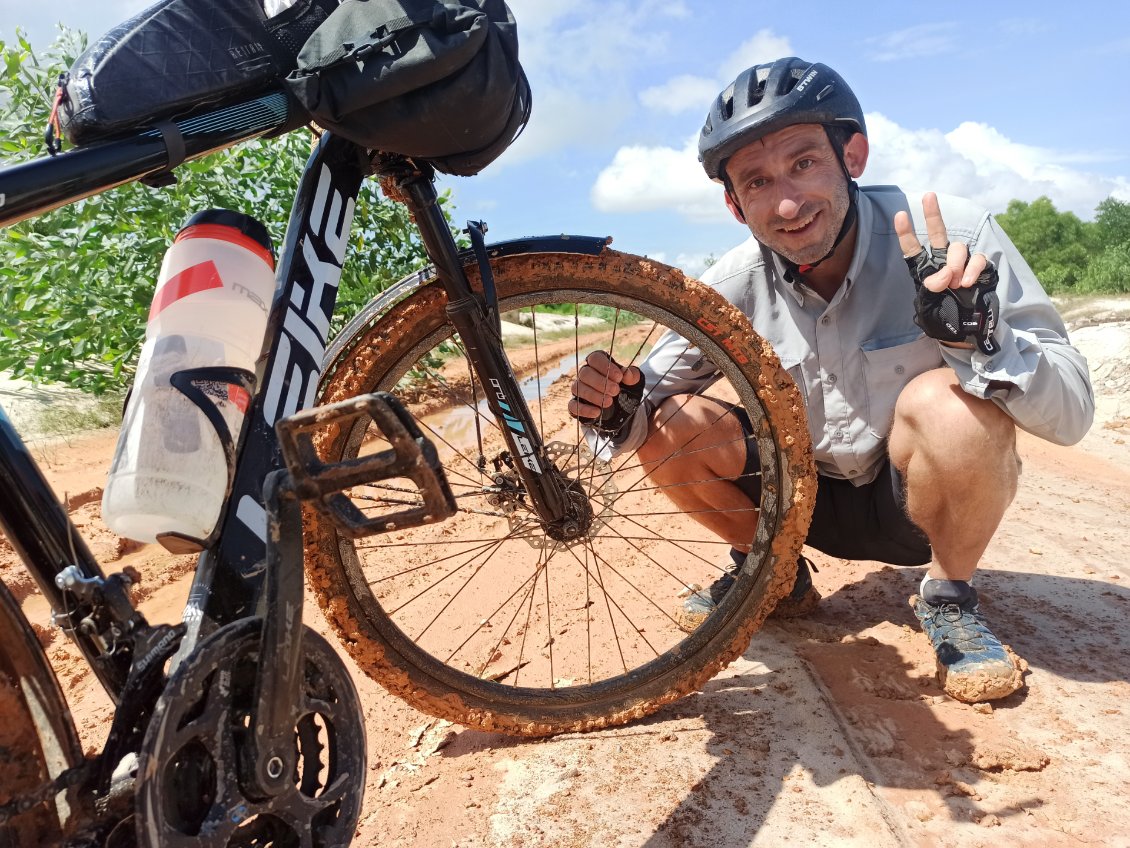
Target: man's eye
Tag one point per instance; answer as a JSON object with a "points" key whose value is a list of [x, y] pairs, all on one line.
{"points": [[804, 164], [757, 182]]}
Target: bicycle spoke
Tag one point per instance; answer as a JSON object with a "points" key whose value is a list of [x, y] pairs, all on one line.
{"points": [[628, 618], [526, 626], [431, 586], [506, 607]]}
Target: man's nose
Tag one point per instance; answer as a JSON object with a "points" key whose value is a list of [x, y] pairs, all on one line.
{"points": [[788, 208], [788, 204]]}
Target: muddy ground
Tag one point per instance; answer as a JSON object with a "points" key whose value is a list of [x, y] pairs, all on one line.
{"points": [[829, 731]]}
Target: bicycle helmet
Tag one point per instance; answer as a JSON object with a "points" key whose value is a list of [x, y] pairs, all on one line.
{"points": [[770, 97]]}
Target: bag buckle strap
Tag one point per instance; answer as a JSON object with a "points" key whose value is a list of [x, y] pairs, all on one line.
{"points": [[436, 17]]}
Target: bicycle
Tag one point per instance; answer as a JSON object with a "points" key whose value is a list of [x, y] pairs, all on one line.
{"points": [[553, 617]]}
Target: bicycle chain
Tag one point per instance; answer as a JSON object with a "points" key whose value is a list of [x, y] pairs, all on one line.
{"points": [[67, 779]]}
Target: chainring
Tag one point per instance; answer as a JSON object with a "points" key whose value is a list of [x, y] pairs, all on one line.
{"points": [[189, 791]]}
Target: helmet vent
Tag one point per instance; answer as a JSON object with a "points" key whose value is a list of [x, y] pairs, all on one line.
{"points": [[825, 91], [727, 103], [794, 76], [757, 85]]}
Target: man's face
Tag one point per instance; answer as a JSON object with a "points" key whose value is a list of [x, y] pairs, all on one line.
{"points": [[792, 191]]}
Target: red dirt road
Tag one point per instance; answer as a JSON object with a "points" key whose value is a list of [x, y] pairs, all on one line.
{"points": [[829, 731]]}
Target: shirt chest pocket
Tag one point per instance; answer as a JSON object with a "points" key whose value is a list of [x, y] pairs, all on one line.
{"points": [[886, 371]]}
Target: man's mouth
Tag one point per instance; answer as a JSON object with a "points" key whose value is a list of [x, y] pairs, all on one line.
{"points": [[799, 226]]}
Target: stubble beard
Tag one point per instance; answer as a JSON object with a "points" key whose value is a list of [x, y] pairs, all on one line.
{"points": [[836, 212]]}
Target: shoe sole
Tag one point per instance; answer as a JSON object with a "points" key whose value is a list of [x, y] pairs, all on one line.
{"points": [[689, 622], [976, 685], [805, 605]]}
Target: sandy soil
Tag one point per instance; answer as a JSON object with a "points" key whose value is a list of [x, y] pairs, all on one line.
{"points": [[828, 731]]}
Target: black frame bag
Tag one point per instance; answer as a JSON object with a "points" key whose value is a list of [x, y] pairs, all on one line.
{"points": [[434, 81], [176, 56]]}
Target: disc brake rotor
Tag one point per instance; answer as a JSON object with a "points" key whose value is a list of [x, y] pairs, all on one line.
{"points": [[189, 791], [592, 478]]}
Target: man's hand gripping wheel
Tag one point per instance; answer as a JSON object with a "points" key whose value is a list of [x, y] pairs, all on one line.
{"points": [[602, 384]]}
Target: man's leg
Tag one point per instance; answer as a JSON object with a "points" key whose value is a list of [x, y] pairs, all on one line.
{"points": [[957, 454], [697, 450]]}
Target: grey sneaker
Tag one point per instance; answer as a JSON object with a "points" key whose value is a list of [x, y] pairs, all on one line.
{"points": [[802, 600], [973, 665]]}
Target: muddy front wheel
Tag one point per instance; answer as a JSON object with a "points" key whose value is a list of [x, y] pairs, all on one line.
{"points": [[490, 619], [38, 740]]}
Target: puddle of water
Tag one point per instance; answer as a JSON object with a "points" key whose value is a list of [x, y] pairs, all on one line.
{"points": [[457, 425]]}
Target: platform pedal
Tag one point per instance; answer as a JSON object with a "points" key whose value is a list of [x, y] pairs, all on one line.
{"points": [[412, 457]]}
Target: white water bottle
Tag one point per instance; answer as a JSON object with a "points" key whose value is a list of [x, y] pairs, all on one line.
{"points": [[171, 470]]}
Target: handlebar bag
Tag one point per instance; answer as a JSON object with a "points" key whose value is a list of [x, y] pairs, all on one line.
{"points": [[177, 56], [434, 81]]}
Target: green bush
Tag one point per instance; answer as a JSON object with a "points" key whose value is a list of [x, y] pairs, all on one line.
{"points": [[1067, 254], [76, 283], [1108, 272]]}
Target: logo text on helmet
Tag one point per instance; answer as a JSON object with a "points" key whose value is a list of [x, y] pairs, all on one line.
{"points": [[809, 77]]}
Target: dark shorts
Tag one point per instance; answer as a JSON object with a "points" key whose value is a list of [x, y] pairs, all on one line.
{"points": [[854, 522]]}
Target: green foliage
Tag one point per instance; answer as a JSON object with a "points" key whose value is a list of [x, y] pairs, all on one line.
{"points": [[1108, 272], [76, 283], [1070, 255], [1052, 242], [1112, 222]]}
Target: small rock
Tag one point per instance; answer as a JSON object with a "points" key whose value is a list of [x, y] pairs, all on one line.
{"points": [[920, 811], [986, 709]]}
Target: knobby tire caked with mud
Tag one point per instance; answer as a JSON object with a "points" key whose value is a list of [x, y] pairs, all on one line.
{"points": [[37, 736], [375, 357]]}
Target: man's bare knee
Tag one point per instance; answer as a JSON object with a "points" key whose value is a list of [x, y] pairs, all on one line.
{"points": [[934, 413]]}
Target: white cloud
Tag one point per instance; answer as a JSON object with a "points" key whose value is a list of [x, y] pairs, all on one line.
{"points": [[915, 42], [972, 160], [693, 93], [683, 93], [564, 118], [763, 46], [642, 179], [580, 66], [979, 162], [561, 43], [691, 264]]}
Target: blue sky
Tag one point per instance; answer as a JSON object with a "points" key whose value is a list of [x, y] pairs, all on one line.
{"points": [[987, 100]]}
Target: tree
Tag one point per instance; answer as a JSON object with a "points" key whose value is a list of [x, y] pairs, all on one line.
{"points": [[1108, 272], [1112, 223], [1055, 244], [76, 283], [1109, 268]]}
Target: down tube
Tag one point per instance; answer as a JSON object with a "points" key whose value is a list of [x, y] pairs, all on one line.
{"points": [[229, 576]]}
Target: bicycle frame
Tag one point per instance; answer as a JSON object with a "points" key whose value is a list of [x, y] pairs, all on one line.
{"points": [[229, 576]]}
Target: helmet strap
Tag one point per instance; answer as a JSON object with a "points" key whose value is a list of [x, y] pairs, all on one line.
{"points": [[791, 268]]}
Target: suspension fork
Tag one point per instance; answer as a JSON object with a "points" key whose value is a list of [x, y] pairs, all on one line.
{"points": [[547, 489]]}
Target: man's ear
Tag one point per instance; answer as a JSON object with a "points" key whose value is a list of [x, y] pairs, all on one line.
{"points": [[735, 210], [855, 155]]}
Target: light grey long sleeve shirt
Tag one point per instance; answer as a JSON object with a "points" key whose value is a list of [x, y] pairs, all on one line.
{"points": [[851, 357]]}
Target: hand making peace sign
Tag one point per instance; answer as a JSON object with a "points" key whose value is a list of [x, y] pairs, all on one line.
{"points": [[956, 298]]}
